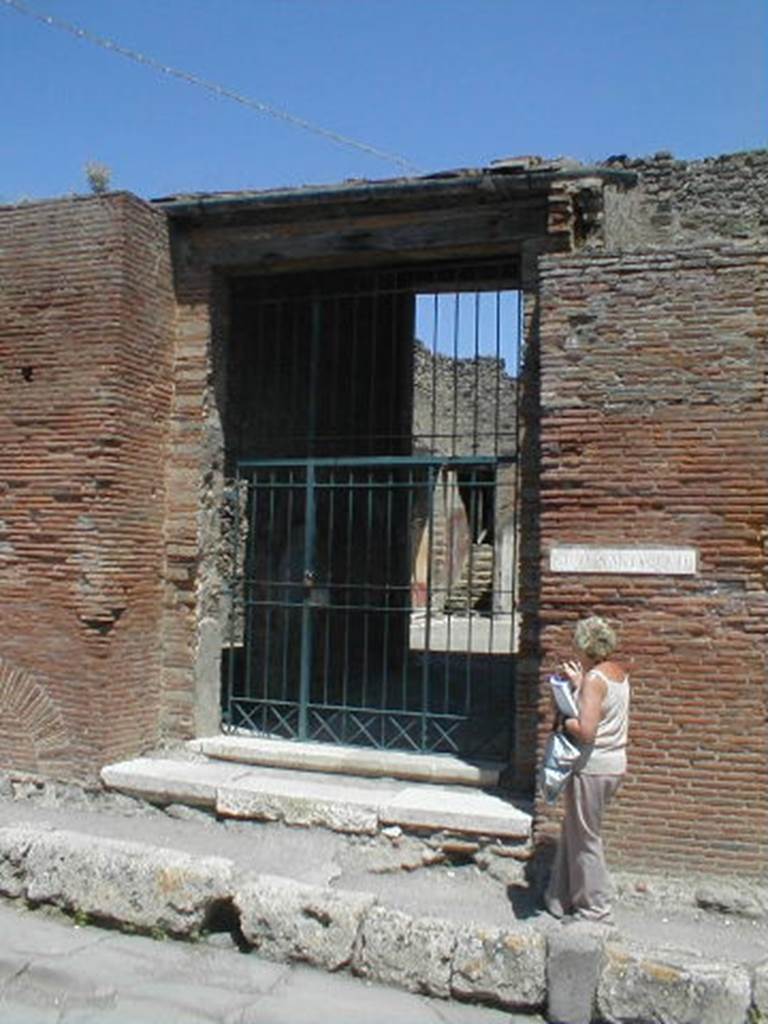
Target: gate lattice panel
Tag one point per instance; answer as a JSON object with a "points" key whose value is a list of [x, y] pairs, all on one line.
{"points": [[373, 529]]}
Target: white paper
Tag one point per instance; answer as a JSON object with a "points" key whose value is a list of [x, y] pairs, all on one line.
{"points": [[566, 703]]}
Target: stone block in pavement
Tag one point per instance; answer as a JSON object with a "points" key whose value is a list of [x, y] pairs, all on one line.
{"points": [[412, 953], [147, 887], [730, 898], [15, 843], [342, 807], [574, 964], [289, 921], [681, 988], [502, 966]]}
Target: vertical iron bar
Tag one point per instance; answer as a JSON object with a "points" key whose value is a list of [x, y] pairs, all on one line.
{"points": [[296, 405], [455, 409], [314, 358], [492, 500], [236, 587], [333, 443], [276, 363], [366, 592], [373, 392], [476, 395], [287, 601], [472, 516], [496, 492], [306, 605], [387, 608], [349, 594], [426, 658], [270, 546], [251, 500], [450, 488], [394, 444], [498, 366], [410, 606], [433, 440], [352, 393], [327, 581]]}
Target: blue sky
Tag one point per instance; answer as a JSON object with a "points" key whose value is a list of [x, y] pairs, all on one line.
{"points": [[444, 83], [470, 324]]}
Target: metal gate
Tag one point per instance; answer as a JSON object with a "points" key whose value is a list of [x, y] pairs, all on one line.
{"points": [[372, 570]]}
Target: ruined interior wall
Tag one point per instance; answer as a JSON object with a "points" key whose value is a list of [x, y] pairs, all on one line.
{"points": [[85, 332], [688, 202], [654, 431], [463, 406]]}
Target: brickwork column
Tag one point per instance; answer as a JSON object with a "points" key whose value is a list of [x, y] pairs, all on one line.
{"points": [[85, 340], [654, 432]]}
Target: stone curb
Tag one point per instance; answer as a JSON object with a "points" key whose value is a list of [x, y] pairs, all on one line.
{"points": [[674, 988], [163, 891], [126, 883]]}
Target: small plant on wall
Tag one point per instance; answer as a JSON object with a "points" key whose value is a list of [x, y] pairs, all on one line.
{"points": [[99, 177]]}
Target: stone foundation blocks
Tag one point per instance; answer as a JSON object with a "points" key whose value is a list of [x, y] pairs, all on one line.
{"points": [[412, 953], [679, 990], [151, 888], [574, 962], [500, 966], [760, 991], [285, 920], [147, 888], [15, 844]]}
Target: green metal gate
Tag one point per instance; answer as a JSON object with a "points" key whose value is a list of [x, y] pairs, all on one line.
{"points": [[372, 555]]}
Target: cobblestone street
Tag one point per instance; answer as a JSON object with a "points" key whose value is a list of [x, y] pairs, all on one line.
{"points": [[53, 971]]}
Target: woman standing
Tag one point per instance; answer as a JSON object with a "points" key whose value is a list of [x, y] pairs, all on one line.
{"points": [[579, 885]]}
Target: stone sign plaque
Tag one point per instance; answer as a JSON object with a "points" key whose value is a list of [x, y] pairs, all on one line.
{"points": [[623, 560]]}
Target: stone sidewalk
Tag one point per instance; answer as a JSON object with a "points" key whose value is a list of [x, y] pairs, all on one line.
{"points": [[394, 908]]}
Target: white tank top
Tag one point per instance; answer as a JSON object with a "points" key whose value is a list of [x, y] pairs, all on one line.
{"points": [[608, 754]]}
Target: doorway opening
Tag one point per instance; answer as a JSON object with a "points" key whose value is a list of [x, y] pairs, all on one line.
{"points": [[371, 426]]}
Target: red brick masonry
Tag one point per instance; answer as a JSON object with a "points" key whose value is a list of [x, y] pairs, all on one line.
{"points": [[654, 422], [85, 324], [646, 423]]}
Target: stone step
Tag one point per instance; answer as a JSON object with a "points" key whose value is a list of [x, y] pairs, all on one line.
{"points": [[476, 579], [314, 799], [345, 760]]}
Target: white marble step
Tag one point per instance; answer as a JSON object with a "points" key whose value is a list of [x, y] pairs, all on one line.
{"points": [[327, 758], [348, 804]]}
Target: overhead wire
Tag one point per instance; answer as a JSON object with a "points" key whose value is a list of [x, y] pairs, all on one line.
{"points": [[213, 87]]}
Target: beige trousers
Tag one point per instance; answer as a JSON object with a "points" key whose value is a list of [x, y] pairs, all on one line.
{"points": [[580, 883]]}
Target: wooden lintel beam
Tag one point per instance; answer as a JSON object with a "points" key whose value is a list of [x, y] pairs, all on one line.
{"points": [[497, 230]]}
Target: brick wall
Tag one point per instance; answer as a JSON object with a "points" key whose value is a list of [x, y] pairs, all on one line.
{"points": [[85, 331], [654, 430]]}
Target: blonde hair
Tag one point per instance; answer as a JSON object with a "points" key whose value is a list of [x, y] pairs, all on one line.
{"points": [[595, 637]]}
